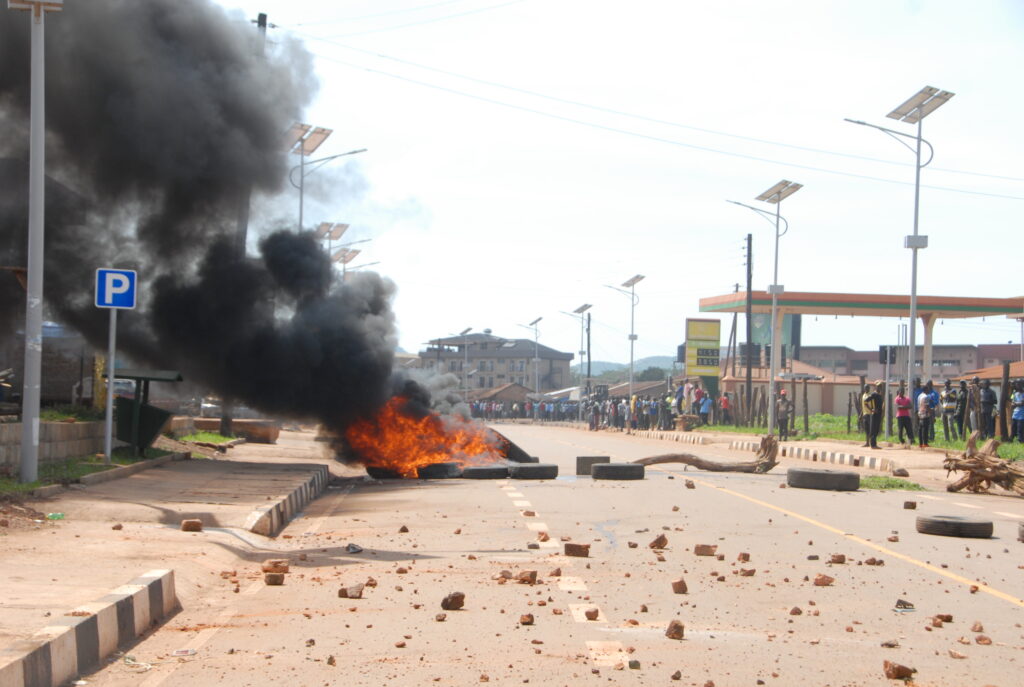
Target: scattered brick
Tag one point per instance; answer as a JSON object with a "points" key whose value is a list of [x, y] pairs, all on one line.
{"points": [[402, 571], [823, 580], [900, 472], [527, 577], [675, 630], [838, 559], [678, 675], [956, 654], [275, 565], [193, 525], [977, 626], [273, 579], [577, 550], [526, 619], [890, 644], [556, 572], [591, 614], [705, 549], [874, 561], [660, 542], [675, 509], [632, 544], [529, 514], [634, 664], [403, 529], [399, 645], [441, 617], [533, 545], [743, 557], [796, 610], [689, 484], [118, 526], [543, 536], [679, 586], [353, 592], [453, 601], [747, 572], [944, 617], [896, 671], [910, 505], [893, 538]]}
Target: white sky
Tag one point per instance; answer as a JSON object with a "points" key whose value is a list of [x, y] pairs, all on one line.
{"points": [[488, 214]]}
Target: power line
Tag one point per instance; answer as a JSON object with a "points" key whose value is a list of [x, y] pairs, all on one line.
{"points": [[650, 137], [341, 20], [653, 120], [425, 21]]}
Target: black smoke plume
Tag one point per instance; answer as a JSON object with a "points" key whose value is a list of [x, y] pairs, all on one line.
{"points": [[162, 118]]}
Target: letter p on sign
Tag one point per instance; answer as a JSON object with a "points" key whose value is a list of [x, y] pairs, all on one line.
{"points": [[115, 289]]}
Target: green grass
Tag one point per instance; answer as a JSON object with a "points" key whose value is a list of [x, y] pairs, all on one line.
{"points": [[883, 482], [824, 426], [207, 437], [69, 412], [73, 469]]}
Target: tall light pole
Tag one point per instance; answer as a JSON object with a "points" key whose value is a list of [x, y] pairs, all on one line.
{"points": [[776, 194], [29, 467], [634, 301], [331, 231], [536, 363], [579, 311], [913, 111], [465, 364], [303, 140]]}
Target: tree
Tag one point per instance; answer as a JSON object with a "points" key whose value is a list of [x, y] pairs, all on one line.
{"points": [[651, 374]]}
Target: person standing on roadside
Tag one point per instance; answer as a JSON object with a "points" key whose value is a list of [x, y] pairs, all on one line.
{"points": [[1017, 402], [947, 401], [783, 408], [903, 406], [705, 408], [961, 408], [989, 400], [726, 408], [925, 415], [871, 406]]}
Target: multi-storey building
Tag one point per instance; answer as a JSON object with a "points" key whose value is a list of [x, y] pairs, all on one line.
{"points": [[485, 361], [948, 361]]}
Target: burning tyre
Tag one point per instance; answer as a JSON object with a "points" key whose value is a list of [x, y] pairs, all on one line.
{"points": [[439, 471], [485, 472]]}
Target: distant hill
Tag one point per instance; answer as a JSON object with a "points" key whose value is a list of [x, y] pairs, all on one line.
{"points": [[599, 367]]}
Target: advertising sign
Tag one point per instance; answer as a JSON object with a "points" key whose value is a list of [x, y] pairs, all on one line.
{"points": [[703, 338]]}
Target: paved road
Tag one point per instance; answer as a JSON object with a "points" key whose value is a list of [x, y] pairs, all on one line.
{"points": [[739, 629]]}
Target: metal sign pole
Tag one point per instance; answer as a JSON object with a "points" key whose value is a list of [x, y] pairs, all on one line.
{"points": [[888, 396], [108, 435]]}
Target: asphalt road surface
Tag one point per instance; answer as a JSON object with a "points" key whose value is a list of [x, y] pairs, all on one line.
{"points": [[774, 626]]}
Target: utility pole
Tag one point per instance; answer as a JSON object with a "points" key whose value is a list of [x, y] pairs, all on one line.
{"points": [[733, 343], [750, 308], [589, 360]]}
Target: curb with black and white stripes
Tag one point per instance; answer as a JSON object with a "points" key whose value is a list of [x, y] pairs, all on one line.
{"points": [[821, 456], [270, 519], [684, 437], [78, 642]]}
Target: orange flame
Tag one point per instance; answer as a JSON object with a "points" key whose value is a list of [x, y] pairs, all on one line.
{"points": [[396, 441]]}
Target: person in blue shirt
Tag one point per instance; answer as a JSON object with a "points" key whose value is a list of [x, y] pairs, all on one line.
{"points": [[705, 408], [1017, 402], [933, 400]]}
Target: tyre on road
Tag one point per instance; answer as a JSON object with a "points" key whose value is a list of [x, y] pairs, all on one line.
{"points": [[382, 473], [617, 471], [954, 526], [533, 471], [485, 472], [832, 480], [439, 471]]}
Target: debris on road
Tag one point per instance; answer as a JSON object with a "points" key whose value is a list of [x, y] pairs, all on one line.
{"points": [[910, 505], [453, 601], [191, 525], [275, 565], [689, 484], [823, 580], [577, 550], [353, 592], [837, 559], [354, 548], [896, 671], [118, 526], [273, 579], [679, 586], [526, 619], [660, 542], [403, 529], [527, 577], [675, 630], [705, 549], [765, 460], [591, 614]]}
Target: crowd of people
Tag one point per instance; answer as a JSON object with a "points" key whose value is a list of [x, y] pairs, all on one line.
{"points": [[961, 409], [623, 413]]}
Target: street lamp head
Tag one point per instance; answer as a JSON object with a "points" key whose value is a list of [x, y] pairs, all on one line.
{"points": [[295, 134], [338, 230], [314, 140], [465, 331], [920, 105], [322, 229], [582, 309], [780, 191], [633, 281], [534, 323]]}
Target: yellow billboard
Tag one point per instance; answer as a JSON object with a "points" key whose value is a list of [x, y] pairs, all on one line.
{"points": [[703, 338]]}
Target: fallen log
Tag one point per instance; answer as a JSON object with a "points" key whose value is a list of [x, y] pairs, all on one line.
{"points": [[765, 459], [983, 469]]}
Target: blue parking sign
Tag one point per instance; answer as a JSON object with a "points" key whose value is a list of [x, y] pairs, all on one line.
{"points": [[115, 289]]}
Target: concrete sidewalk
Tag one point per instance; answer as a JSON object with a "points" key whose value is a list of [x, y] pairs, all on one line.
{"points": [[115, 532]]}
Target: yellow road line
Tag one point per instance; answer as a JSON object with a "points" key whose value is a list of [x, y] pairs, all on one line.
{"points": [[869, 544]]}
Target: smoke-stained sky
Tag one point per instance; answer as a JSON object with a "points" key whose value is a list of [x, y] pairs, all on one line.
{"points": [[164, 121]]}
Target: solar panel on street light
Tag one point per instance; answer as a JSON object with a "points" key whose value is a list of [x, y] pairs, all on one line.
{"points": [[535, 322], [632, 281], [321, 230], [295, 134], [314, 140], [338, 230], [582, 309], [350, 256], [920, 105], [780, 191]]}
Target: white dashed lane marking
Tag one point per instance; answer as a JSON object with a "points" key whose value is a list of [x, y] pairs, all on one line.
{"points": [[966, 505], [1009, 515], [537, 526], [515, 495], [521, 504]]}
